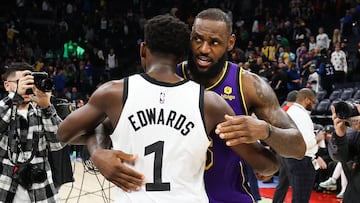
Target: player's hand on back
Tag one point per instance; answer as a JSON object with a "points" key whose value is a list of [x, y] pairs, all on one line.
{"points": [[111, 165]]}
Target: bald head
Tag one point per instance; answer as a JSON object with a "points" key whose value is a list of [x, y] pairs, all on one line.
{"points": [[307, 98]]}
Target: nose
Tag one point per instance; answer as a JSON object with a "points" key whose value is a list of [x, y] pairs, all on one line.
{"points": [[205, 48]]}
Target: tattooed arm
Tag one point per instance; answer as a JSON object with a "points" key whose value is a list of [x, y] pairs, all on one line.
{"points": [[271, 124]]}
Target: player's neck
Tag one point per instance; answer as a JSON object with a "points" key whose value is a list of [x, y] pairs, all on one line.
{"points": [[164, 72]]}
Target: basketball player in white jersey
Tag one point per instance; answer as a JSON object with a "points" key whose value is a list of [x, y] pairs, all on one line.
{"points": [[160, 117]]}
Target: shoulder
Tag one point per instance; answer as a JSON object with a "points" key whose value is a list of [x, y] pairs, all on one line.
{"points": [[108, 93], [256, 91]]}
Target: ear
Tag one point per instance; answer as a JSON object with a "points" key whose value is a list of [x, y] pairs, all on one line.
{"points": [[231, 42], [143, 50], [143, 55], [7, 86]]}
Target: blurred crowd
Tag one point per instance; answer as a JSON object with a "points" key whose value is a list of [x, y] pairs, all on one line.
{"points": [[83, 43]]}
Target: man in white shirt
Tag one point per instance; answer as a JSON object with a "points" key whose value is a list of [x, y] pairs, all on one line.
{"points": [[302, 172]]}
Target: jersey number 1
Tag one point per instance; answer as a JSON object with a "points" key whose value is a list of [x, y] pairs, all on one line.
{"points": [[157, 185]]}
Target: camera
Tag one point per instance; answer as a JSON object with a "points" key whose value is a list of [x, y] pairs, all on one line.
{"points": [[42, 82], [345, 109], [27, 174]]}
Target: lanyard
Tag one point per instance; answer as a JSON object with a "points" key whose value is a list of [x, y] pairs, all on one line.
{"points": [[14, 138]]}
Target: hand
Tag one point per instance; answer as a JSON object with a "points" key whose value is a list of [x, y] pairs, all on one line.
{"points": [[42, 99], [339, 124], [242, 129], [24, 83], [110, 165], [263, 177], [322, 164], [320, 135]]}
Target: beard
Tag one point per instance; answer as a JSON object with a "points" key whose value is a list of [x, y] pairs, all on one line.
{"points": [[212, 71]]}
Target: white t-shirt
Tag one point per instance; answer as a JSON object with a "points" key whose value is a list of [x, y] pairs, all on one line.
{"points": [[305, 125]]}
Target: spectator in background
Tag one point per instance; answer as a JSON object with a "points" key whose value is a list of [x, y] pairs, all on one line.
{"points": [[331, 183], [339, 61], [313, 81], [278, 82], [290, 100], [346, 23], [237, 55], [59, 81], [322, 40], [301, 173], [294, 80], [336, 38], [312, 43], [112, 64], [326, 71], [285, 56]]}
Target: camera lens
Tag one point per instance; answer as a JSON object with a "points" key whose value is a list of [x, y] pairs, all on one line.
{"points": [[345, 110]]}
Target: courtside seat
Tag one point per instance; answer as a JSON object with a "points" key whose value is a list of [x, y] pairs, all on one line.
{"points": [[321, 112], [320, 95], [356, 94], [347, 94], [335, 94]]}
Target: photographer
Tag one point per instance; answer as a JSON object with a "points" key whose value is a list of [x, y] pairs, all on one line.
{"points": [[28, 123], [345, 145]]}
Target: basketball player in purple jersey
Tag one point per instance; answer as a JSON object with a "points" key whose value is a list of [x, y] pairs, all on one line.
{"points": [[211, 39]]}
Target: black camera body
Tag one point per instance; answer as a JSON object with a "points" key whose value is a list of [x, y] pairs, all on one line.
{"points": [[345, 109], [27, 174], [42, 82]]}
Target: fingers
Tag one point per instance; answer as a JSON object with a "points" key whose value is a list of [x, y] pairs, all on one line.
{"points": [[236, 137], [24, 83], [129, 180], [128, 158]]}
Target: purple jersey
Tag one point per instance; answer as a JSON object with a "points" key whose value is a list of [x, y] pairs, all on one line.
{"points": [[225, 175]]}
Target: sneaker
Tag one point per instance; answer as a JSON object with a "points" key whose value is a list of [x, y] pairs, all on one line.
{"points": [[340, 195], [329, 184]]}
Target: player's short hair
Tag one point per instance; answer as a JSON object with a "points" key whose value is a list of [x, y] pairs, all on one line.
{"points": [[216, 14], [167, 34]]}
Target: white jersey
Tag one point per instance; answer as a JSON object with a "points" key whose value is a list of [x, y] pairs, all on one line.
{"points": [[163, 124]]}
